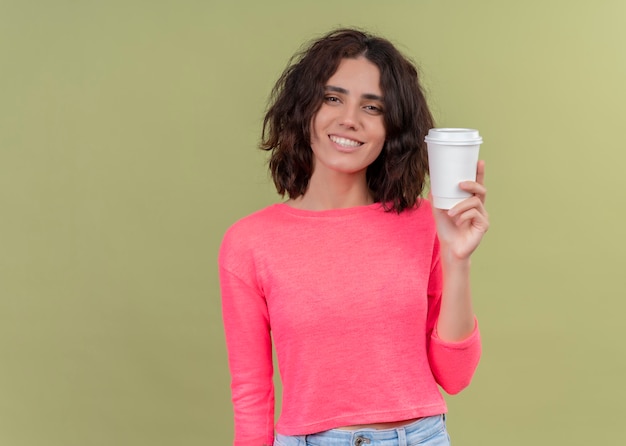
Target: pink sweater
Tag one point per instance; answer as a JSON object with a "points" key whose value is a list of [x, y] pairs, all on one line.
{"points": [[350, 298]]}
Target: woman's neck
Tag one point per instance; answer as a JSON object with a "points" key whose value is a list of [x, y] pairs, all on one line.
{"points": [[334, 192]]}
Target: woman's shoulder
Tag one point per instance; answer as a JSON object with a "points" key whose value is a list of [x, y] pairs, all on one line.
{"points": [[417, 219], [423, 206], [254, 222], [254, 229], [421, 210]]}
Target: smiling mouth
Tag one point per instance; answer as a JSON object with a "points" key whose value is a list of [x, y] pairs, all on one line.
{"points": [[345, 142]]}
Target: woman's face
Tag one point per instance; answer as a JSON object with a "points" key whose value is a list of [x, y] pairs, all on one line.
{"points": [[348, 132]]}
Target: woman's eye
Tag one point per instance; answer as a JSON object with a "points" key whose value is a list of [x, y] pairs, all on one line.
{"points": [[374, 109], [331, 99]]}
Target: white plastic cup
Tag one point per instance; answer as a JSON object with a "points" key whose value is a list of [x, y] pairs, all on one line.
{"points": [[452, 158]]}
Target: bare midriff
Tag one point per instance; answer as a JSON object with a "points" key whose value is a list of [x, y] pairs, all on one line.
{"points": [[391, 425]]}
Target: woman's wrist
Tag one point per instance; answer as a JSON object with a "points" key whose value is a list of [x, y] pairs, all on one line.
{"points": [[451, 261]]}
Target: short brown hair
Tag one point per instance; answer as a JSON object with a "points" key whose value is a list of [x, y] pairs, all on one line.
{"points": [[397, 177]]}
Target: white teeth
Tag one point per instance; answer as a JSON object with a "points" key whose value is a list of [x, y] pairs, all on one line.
{"points": [[345, 141]]}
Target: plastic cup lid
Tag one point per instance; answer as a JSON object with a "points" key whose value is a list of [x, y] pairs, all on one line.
{"points": [[454, 136]]}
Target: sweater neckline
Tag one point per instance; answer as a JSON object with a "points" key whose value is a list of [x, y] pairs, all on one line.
{"points": [[340, 212]]}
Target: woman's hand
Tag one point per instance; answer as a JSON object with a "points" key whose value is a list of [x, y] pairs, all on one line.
{"points": [[462, 228]]}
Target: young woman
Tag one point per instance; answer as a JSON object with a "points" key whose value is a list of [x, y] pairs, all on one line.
{"points": [[362, 287]]}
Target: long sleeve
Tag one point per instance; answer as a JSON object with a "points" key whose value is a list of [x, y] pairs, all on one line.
{"points": [[453, 363], [325, 289], [248, 340]]}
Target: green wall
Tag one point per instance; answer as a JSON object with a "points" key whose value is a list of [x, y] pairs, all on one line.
{"points": [[127, 147]]}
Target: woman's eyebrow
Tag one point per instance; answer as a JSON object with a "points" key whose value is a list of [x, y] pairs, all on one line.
{"points": [[370, 96]]}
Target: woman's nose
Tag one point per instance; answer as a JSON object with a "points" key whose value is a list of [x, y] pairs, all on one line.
{"points": [[349, 118]]}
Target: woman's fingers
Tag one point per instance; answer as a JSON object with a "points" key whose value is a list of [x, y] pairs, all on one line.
{"points": [[476, 187], [476, 218], [477, 202], [480, 172]]}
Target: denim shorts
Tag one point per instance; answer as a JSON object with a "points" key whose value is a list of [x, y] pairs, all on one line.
{"points": [[428, 431]]}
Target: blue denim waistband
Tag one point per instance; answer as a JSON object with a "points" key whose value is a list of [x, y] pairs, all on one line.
{"points": [[412, 433]]}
